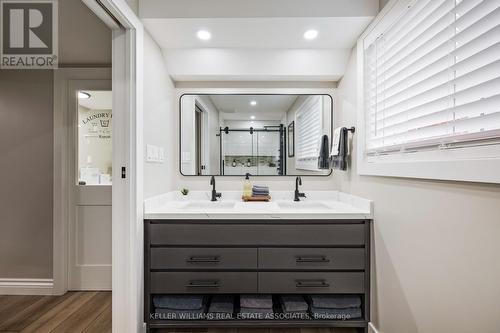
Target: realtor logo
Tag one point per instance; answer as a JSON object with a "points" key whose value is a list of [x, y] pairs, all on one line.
{"points": [[28, 34]]}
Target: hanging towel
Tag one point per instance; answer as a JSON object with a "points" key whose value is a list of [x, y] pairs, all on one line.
{"points": [[324, 156], [179, 302], [256, 301], [339, 149], [334, 301]]}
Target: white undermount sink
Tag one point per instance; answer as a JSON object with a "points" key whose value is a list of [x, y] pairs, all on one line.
{"points": [[209, 205], [301, 205]]}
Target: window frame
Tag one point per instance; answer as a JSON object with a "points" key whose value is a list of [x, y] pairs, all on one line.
{"points": [[479, 163]]}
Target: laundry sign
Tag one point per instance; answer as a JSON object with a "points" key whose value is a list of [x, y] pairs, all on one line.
{"points": [[96, 124]]}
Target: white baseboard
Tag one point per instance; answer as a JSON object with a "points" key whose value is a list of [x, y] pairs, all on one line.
{"points": [[371, 328], [26, 286]]}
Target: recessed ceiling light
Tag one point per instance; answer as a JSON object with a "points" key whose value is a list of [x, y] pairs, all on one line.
{"points": [[311, 34], [204, 34], [253, 103], [252, 117], [83, 95]]}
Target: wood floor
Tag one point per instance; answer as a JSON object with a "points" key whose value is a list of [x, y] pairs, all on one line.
{"points": [[89, 312], [74, 312]]}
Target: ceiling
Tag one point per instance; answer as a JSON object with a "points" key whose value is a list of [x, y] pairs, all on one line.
{"points": [[99, 100], [258, 33], [258, 40], [238, 107]]}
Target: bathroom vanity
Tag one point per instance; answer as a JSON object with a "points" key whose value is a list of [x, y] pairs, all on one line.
{"points": [[320, 245]]}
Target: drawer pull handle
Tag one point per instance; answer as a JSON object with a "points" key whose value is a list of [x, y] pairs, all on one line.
{"points": [[311, 284], [203, 284], [204, 259], [301, 259]]}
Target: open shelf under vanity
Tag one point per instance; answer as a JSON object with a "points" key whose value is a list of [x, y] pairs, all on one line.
{"points": [[273, 257]]}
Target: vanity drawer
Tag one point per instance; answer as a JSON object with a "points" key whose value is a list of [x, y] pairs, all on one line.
{"points": [[203, 258], [203, 282], [311, 258], [306, 283], [257, 234]]}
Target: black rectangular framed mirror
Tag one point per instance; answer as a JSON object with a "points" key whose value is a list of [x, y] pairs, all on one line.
{"points": [[236, 134]]}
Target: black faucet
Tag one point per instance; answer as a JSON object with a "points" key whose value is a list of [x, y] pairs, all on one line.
{"points": [[215, 195], [298, 195]]}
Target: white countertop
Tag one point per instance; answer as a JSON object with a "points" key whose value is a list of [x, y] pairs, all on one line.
{"points": [[317, 205]]}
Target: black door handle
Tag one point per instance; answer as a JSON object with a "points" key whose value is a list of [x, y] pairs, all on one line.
{"points": [[311, 284], [312, 259], [203, 284], [203, 259]]}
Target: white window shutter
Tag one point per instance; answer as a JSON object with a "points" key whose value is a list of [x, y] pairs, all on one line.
{"points": [[433, 77], [309, 127]]}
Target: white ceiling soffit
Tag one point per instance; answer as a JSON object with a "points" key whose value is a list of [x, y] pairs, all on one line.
{"points": [[256, 8], [256, 64], [256, 33]]}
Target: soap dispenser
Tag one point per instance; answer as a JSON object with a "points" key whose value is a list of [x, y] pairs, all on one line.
{"points": [[247, 186]]}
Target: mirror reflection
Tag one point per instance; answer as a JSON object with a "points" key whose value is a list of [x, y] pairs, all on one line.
{"points": [[263, 135]]}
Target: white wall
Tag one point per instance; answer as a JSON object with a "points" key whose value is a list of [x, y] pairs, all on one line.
{"points": [[436, 245], [158, 125]]}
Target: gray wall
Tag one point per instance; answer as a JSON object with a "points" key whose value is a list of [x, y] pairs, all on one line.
{"points": [[382, 4], [83, 38], [134, 5], [26, 134], [26, 130], [436, 245]]}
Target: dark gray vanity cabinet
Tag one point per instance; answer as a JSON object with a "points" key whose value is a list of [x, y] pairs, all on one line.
{"points": [[257, 256]]}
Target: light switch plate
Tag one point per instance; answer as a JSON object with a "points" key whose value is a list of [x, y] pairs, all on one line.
{"points": [[155, 154]]}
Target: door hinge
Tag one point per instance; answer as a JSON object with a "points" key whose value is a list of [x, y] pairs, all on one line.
{"points": [[124, 173]]}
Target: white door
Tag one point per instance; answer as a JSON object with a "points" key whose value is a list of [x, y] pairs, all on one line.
{"points": [[90, 168]]}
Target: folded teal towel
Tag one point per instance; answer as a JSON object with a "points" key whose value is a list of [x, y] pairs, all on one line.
{"points": [[260, 189], [256, 301], [293, 303], [221, 304], [334, 301], [179, 302], [254, 310]]}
